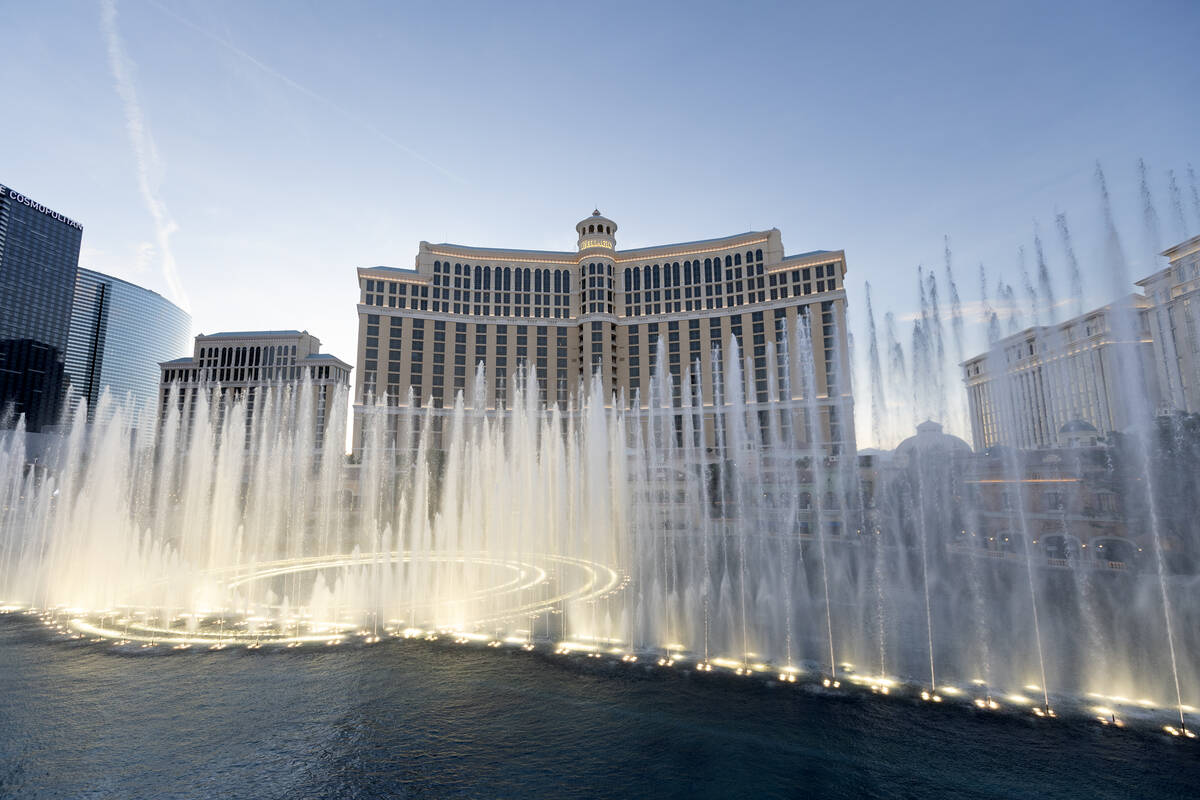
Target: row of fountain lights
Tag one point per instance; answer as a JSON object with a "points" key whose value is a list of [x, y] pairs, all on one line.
{"points": [[1107, 716]]}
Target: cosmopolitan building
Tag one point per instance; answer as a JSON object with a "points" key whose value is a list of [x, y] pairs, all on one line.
{"points": [[1097, 368], [120, 333], [39, 254], [599, 310], [244, 365]]}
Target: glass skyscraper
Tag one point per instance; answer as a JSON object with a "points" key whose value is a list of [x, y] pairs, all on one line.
{"points": [[120, 333], [39, 255]]}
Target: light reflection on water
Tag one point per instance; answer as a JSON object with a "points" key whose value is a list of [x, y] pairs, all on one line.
{"points": [[424, 721]]}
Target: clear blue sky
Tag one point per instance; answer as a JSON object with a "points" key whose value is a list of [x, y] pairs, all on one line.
{"points": [[262, 151]]}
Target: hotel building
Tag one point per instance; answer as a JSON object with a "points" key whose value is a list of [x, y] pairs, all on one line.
{"points": [[243, 365], [120, 333], [1174, 293], [600, 310], [1097, 368], [39, 254]]}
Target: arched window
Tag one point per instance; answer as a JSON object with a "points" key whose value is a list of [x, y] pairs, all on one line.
{"points": [[478, 280], [437, 266], [729, 261], [749, 256], [608, 229], [628, 279], [591, 228], [637, 279], [708, 270], [558, 281], [646, 276], [657, 277], [675, 273], [737, 259], [566, 282], [507, 279], [487, 277], [537, 281], [546, 280], [758, 255], [528, 280]]}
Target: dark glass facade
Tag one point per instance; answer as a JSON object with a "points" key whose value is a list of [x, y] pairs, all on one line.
{"points": [[120, 333], [39, 255]]}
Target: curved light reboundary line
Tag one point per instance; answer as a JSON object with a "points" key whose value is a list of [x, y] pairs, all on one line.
{"points": [[598, 581], [293, 566]]}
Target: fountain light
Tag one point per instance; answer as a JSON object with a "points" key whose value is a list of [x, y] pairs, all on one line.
{"points": [[1019, 699]]}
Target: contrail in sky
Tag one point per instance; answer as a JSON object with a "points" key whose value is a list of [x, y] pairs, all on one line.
{"points": [[144, 151], [299, 87]]}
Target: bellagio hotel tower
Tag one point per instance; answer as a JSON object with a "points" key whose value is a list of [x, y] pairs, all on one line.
{"points": [[569, 315]]}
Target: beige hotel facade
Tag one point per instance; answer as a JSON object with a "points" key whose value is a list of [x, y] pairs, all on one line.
{"points": [[572, 314]]}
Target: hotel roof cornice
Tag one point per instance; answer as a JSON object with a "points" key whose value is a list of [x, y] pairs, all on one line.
{"points": [[571, 258]]}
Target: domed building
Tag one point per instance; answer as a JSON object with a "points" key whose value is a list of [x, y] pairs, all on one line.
{"points": [[1078, 433], [922, 485], [931, 441]]}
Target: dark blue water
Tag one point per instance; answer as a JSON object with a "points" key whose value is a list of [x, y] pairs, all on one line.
{"points": [[418, 720]]}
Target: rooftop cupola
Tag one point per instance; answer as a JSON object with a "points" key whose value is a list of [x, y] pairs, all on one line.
{"points": [[597, 231]]}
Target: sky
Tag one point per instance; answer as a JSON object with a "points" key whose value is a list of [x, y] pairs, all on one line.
{"points": [[243, 158]]}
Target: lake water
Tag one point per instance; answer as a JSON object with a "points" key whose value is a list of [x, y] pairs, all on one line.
{"points": [[409, 719]]}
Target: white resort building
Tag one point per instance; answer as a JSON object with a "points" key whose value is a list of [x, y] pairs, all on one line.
{"points": [[599, 310]]}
